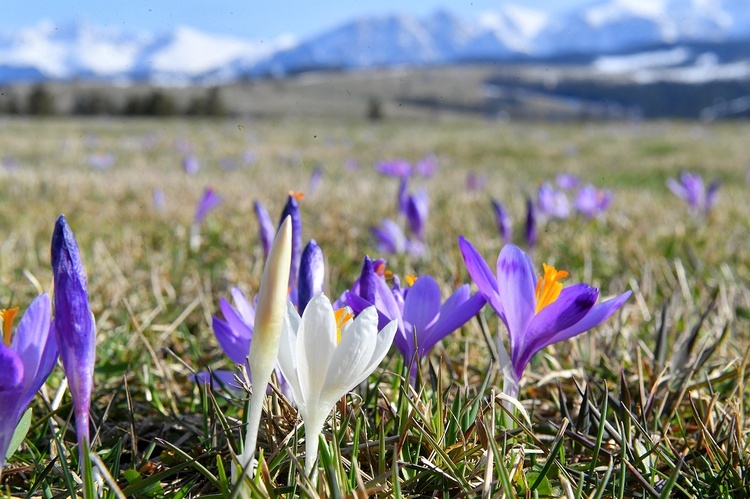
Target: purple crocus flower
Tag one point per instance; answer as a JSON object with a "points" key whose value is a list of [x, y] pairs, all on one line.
{"points": [[403, 195], [553, 203], [209, 201], [74, 325], [26, 360], [311, 275], [190, 164], [394, 168], [567, 181], [267, 231], [693, 191], [427, 166], [292, 209], [422, 320], [390, 237], [536, 312], [530, 229], [592, 202], [234, 334], [503, 221]]}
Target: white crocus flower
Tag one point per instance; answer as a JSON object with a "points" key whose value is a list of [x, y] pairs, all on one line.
{"points": [[324, 355], [264, 348]]}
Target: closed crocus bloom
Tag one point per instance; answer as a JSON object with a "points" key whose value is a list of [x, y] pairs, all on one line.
{"points": [[74, 325], [390, 237], [324, 355], [417, 210], [266, 229], [311, 274], [530, 229], [503, 221], [209, 201], [536, 312], [291, 209], [269, 317], [26, 360]]}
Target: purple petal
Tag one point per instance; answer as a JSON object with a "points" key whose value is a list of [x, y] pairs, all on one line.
{"points": [[456, 312], [311, 274], [36, 347], [417, 210], [481, 274], [422, 304], [233, 337], [530, 229], [267, 232], [390, 237], [403, 195], [367, 283], [11, 390], [225, 379], [243, 306], [711, 195], [208, 202], [515, 276], [394, 168], [598, 314]]}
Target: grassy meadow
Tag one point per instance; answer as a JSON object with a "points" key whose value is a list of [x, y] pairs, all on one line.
{"points": [[652, 403]]}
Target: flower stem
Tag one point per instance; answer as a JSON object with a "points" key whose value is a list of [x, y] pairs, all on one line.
{"points": [[253, 424], [313, 429]]}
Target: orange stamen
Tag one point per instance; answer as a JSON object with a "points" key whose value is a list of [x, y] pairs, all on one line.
{"points": [[7, 316], [548, 289], [342, 317], [297, 195], [411, 279]]}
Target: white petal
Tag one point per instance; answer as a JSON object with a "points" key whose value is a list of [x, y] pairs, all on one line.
{"points": [[352, 355], [287, 360], [316, 342], [385, 339]]}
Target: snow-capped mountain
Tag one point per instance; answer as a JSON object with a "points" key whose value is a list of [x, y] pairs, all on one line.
{"points": [[605, 27]]}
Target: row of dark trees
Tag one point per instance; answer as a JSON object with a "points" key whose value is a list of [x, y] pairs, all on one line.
{"points": [[40, 101]]}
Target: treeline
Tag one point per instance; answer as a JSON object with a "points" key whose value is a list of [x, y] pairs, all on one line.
{"points": [[42, 101], [648, 100]]}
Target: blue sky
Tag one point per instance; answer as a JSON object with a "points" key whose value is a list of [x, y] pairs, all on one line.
{"points": [[248, 18]]}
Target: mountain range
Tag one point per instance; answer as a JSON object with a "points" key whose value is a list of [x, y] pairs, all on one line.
{"points": [[605, 28]]}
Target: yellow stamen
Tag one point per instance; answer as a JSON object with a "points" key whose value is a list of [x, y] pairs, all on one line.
{"points": [[411, 279], [548, 289], [342, 317], [7, 316]]}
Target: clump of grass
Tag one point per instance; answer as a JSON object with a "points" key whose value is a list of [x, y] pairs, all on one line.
{"points": [[652, 403]]}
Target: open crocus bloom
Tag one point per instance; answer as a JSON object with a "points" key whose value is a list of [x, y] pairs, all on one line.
{"points": [[26, 360], [693, 191], [537, 312], [325, 354]]}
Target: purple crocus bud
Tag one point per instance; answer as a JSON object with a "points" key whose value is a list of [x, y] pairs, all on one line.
{"points": [[711, 195], [292, 209], [427, 166], [691, 188], [26, 360], [403, 195], [311, 274], [266, 229], [567, 181], [417, 210], [394, 168], [536, 312], [503, 221], [530, 233], [74, 325], [209, 201], [190, 164], [390, 237], [592, 202]]}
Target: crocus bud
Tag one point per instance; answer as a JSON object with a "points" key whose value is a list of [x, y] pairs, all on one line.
{"points": [[266, 227], [291, 209], [74, 324], [311, 274], [269, 318], [530, 223]]}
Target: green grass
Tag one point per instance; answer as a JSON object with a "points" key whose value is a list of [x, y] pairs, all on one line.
{"points": [[652, 403]]}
